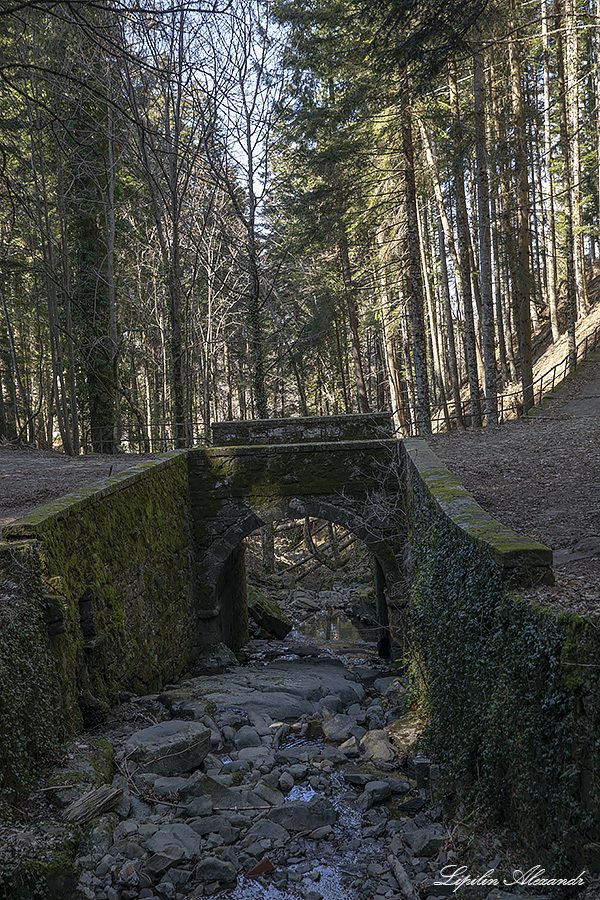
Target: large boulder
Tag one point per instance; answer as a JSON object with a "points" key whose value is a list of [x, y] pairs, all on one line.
{"points": [[212, 869], [267, 613], [222, 797], [338, 727], [169, 748], [300, 815], [176, 835], [377, 747], [375, 793], [427, 841]]}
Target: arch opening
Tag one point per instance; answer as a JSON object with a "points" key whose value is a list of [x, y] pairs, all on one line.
{"points": [[330, 543]]}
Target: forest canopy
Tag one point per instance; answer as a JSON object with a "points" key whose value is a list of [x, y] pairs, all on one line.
{"points": [[247, 209]]}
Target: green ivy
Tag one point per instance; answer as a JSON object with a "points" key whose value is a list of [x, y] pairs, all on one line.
{"points": [[511, 691], [28, 720]]}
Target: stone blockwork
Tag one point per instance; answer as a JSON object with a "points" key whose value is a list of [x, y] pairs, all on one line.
{"points": [[137, 574], [522, 561], [512, 688], [309, 429], [235, 490], [116, 569]]}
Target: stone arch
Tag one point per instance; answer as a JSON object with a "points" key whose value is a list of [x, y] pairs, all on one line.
{"points": [[227, 573]]}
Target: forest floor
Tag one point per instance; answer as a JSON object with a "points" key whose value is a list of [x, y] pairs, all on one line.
{"points": [[30, 478], [540, 475]]}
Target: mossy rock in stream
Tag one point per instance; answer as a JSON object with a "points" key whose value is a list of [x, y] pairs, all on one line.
{"points": [[267, 613]]}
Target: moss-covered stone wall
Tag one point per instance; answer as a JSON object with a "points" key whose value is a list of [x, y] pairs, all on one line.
{"points": [[298, 430], [28, 708], [117, 567], [512, 689]]}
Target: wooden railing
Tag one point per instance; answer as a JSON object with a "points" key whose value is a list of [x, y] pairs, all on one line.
{"points": [[510, 405]]}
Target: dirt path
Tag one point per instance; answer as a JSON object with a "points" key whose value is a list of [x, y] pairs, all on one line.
{"points": [[541, 476], [30, 478]]}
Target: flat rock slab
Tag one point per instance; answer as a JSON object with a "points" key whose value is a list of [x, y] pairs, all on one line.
{"points": [[279, 704], [169, 748], [300, 815], [317, 678], [281, 690], [176, 835]]}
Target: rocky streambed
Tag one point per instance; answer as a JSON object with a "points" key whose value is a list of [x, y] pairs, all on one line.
{"points": [[278, 781], [292, 777]]}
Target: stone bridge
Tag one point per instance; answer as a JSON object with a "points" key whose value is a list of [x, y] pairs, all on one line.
{"points": [[141, 573], [341, 469]]}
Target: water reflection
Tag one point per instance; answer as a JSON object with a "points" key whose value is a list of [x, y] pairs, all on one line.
{"points": [[330, 627]]}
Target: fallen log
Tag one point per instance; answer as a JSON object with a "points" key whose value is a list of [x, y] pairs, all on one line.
{"points": [[92, 804]]}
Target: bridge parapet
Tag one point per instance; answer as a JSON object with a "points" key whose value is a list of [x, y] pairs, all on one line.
{"points": [[300, 430]]}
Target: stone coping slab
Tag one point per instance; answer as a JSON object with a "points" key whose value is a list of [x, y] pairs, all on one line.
{"points": [[280, 449], [34, 523], [521, 559], [291, 430]]}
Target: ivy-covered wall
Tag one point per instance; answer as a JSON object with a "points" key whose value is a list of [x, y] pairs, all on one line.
{"points": [[28, 717], [117, 569], [513, 689]]}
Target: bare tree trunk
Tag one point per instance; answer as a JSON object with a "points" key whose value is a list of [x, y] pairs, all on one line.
{"points": [[454, 376], [462, 227], [568, 193], [405, 343], [550, 222], [433, 329], [572, 102], [484, 231], [523, 237], [350, 292], [340, 357], [416, 279], [393, 373], [110, 272], [596, 45]]}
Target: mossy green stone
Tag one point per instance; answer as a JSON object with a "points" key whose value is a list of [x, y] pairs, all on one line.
{"points": [[268, 613]]}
